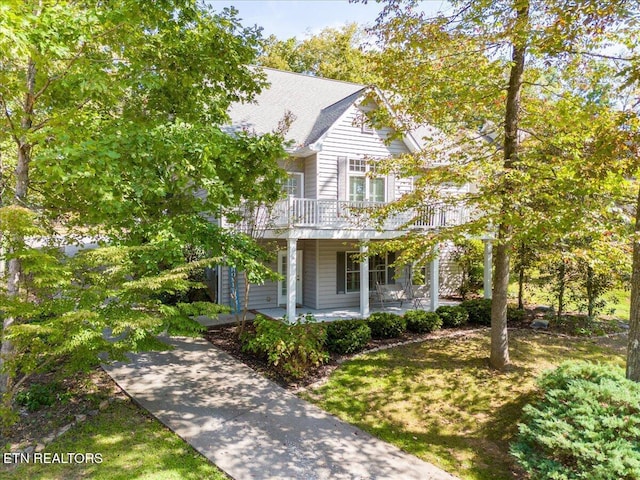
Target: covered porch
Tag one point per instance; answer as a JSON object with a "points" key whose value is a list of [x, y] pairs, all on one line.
{"points": [[332, 314], [292, 309]]}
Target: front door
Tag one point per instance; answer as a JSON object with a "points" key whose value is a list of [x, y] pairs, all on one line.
{"points": [[282, 284]]}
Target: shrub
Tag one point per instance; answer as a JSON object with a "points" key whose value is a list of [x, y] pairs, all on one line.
{"points": [[40, 395], [419, 321], [347, 336], [452, 316], [479, 310], [586, 425], [386, 325], [514, 314], [292, 349]]}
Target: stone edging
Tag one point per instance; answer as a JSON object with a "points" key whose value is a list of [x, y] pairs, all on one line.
{"points": [[40, 445]]}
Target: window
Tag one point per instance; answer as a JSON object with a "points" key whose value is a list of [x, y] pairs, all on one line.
{"points": [[294, 185], [348, 271], [363, 187]]}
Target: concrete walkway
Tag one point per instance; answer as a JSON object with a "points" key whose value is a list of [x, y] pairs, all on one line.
{"points": [[250, 427]]}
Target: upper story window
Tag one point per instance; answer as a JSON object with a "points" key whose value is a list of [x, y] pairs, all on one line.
{"points": [[365, 127], [362, 186], [294, 185]]}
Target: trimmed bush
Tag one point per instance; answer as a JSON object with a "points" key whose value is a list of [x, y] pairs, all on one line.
{"points": [[419, 321], [386, 325], [586, 425], [514, 314], [347, 336], [292, 349], [479, 310], [452, 316]]}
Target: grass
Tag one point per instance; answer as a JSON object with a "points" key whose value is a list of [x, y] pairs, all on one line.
{"points": [[617, 300], [132, 445], [439, 401]]}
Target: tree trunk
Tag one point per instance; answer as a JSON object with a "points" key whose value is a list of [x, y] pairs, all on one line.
{"points": [[591, 296], [521, 288], [499, 335], [562, 280], [20, 198], [633, 350]]}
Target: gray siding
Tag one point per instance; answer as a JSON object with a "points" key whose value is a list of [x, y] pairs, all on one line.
{"points": [[311, 177], [309, 272], [347, 139]]}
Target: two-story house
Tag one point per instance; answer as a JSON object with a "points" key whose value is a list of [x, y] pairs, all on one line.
{"points": [[319, 227]]}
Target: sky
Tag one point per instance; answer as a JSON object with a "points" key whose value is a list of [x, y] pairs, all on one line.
{"points": [[302, 18]]}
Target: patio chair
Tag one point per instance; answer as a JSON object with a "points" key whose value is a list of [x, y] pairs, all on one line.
{"points": [[390, 293], [419, 293]]}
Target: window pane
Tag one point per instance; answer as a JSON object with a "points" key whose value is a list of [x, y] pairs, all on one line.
{"points": [[353, 282], [357, 187], [376, 189], [292, 186], [357, 165]]}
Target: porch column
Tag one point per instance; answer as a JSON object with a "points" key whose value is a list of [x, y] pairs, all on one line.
{"points": [[364, 282], [291, 279], [488, 265], [434, 281]]}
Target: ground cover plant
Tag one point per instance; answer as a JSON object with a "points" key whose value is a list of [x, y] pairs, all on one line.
{"points": [[132, 445], [585, 425], [438, 400]]}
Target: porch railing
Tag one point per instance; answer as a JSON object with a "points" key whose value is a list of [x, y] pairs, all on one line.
{"points": [[312, 213]]}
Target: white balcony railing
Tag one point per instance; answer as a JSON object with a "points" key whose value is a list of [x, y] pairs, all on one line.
{"points": [[312, 213]]}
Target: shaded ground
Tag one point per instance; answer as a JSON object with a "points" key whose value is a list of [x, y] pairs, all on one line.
{"points": [[131, 444], [440, 401], [78, 395]]}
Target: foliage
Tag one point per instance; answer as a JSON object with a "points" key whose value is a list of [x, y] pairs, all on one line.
{"points": [[515, 314], [40, 395], [292, 349], [386, 325], [347, 336], [468, 255], [542, 114], [419, 321], [479, 310], [334, 53], [585, 425], [453, 315], [120, 142]]}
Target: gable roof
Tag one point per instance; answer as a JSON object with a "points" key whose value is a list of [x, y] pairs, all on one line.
{"points": [[314, 103]]}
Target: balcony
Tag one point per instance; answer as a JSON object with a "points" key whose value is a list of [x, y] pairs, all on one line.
{"points": [[337, 214]]}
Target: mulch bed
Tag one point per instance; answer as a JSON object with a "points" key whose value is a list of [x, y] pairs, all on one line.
{"points": [[226, 338], [80, 394]]}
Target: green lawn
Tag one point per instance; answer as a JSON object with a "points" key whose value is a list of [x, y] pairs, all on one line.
{"points": [[617, 300], [133, 446], [439, 401]]}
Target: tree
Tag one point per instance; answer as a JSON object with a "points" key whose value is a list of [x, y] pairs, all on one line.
{"points": [[493, 70], [111, 128], [336, 53]]}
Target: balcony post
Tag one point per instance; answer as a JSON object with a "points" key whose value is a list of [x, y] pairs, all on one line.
{"points": [[434, 280], [364, 282], [291, 279], [488, 265]]}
